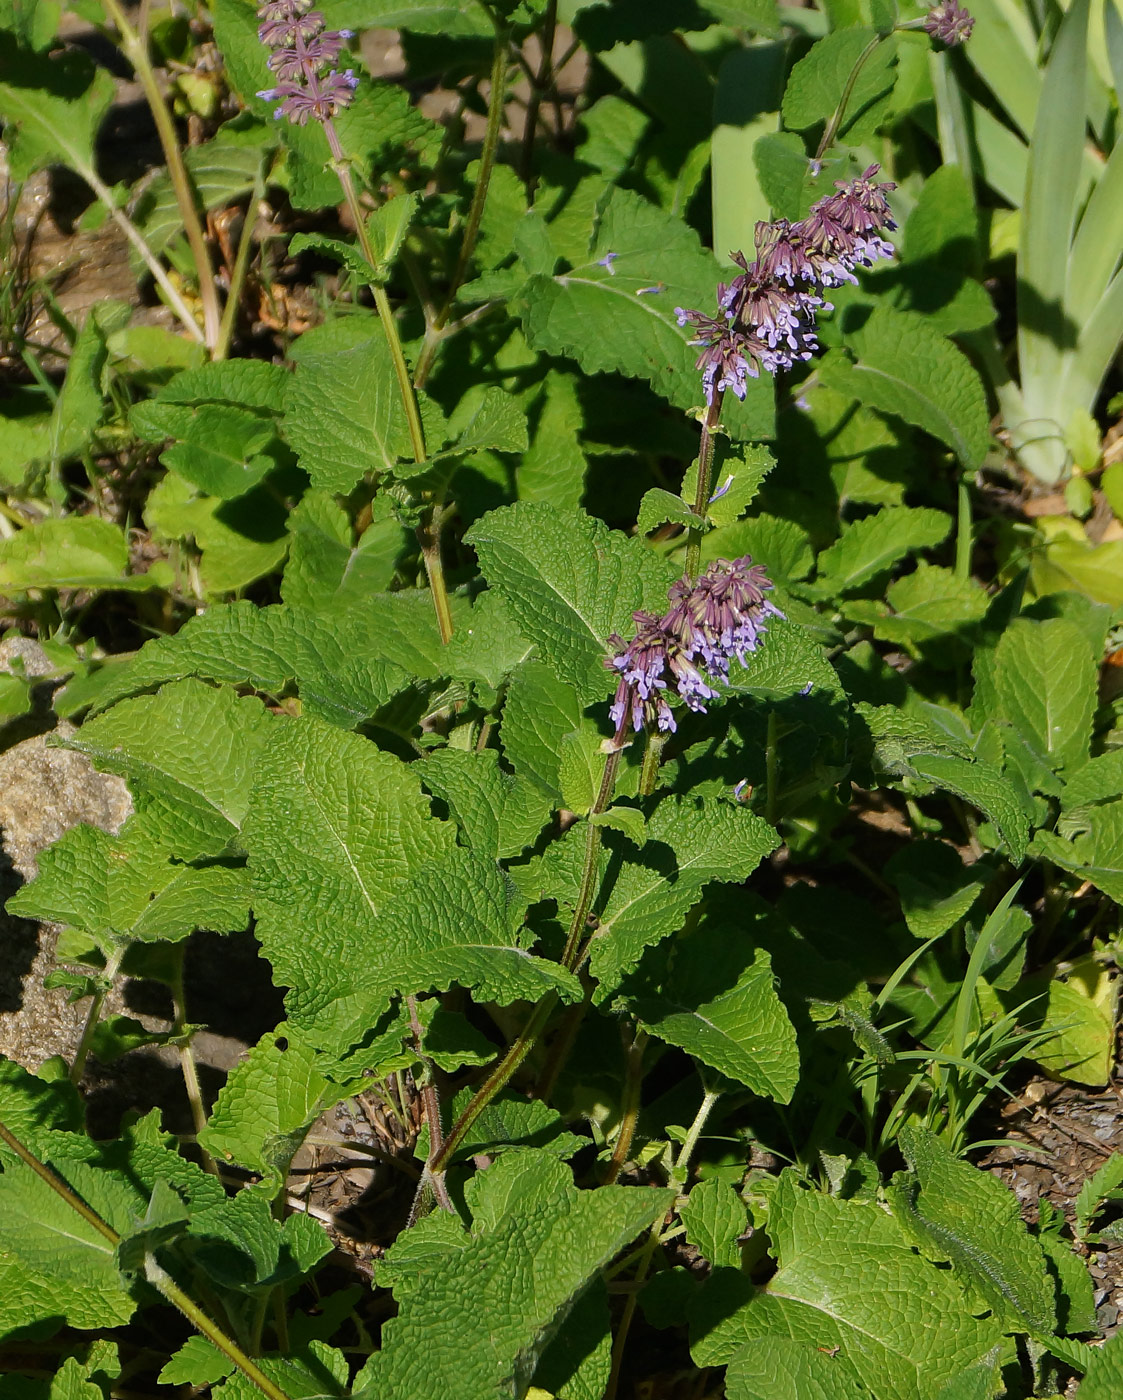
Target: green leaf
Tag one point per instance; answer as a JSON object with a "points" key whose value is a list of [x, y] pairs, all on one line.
{"points": [[622, 316], [330, 573], [500, 814], [127, 887], [935, 887], [496, 422], [906, 368], [455, 18], [48, 1249], [780, 545], [32, 22], [245, 383], [191, 750], [487, 647], [221, 448], [223, 170], [816, 83], [553, 468], [347, 255], [968, 1218], [481, 1320], [738, 473], [78, 551], [875, 543], [660, 507], [510, 1121], [1045, 683], [540, 710], [333, 665], [1105, 1371], [715, 997], [577, 1362], [197, 1362], [1095, 1189], [569, 582], [269, 1102], [929, 603], [343, 408], [55, 106], [1096, 853], [715, 1217], [30, 1106], [784, 1368], [240, 540], [1080, 1011], [688, 844], [847, 1280], [81, 404]]}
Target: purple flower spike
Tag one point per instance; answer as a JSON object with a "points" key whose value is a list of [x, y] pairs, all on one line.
{"points": [[309, 86], [950, 23], [719, 617], [766, 314]]}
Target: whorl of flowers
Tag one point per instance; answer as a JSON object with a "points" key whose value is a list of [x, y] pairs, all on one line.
{"points": [[766, 315], [950, 23], [303, 58], [719, 616]]}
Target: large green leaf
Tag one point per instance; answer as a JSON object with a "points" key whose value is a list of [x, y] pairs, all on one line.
{"points": [[782, 1368], [905, 367], [621, 316], [715, 997], [77, 551], [475, 1315], [568, 582], [968, 1218], [1045, 683], [55, 106], [848, 1283], [877, 542]]}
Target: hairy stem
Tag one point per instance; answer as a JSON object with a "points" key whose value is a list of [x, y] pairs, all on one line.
{"points": [[156, 1276], [832, 127], [694, 1132], [182, 1039], [629, 1108], [428, 535], [705, 477], [431, 1106], [108, 977], [524, 1043], [652, 757], [135, 47], [497, 94]]}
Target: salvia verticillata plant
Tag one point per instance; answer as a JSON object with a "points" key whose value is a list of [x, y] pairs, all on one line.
{"points": [[609, 840]]}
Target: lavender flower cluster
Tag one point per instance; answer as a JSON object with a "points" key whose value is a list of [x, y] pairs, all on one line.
{"points": [[303, 58], [719, 616], [950, 23], [766, 315]]}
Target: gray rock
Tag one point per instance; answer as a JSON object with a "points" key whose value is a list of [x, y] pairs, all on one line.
{"points": [[43, 793]]}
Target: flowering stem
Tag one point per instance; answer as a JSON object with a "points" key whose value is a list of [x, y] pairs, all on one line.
{"points": [[847, 92], [429, 536], [435, 332], [527, 1038], [652, 757], [135, 47], [705, 475]]}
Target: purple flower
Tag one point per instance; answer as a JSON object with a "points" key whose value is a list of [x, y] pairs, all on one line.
{"points": [[766, 314], [950, 23], [718, 617], [303, 58]]}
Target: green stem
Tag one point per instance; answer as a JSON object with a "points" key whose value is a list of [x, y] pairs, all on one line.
{"points": [[182, 1038], [435, 332], [694, 1132], [629, 1108], [963, 540], [163, 1282], [705, 475], [431, 1106], [159, 1279], [82, 1053], [241, 266], [524, 1043], [571, 957], [652, 757], [429, 536], [135, 47], [381, 300], [771, 771], [847, 92]]}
